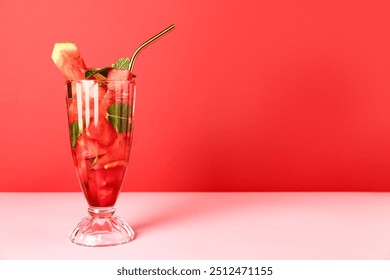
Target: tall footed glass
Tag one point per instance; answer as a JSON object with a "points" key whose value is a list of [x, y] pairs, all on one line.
{"points": [[100, 116]]}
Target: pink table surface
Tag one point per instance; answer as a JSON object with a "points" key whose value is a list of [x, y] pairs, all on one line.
{"points": [[307, 225]]}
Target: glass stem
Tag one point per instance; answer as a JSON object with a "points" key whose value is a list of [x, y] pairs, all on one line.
{"points": [[101, 212]]}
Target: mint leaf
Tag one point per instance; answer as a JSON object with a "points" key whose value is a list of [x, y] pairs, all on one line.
{"points": [[75, 133], [118, 115], [92, 71], [122, 63]]}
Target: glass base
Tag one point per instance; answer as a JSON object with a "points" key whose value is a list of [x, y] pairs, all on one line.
{"points": [[101, 228]]}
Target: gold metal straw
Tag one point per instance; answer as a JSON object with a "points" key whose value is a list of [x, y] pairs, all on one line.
{"points": [[147, 43]]}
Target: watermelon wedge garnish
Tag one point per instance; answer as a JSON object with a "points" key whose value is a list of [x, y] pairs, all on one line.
{"points": [[68, 60]]}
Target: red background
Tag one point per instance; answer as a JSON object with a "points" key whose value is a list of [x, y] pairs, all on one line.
{"points": [[242, 96]]}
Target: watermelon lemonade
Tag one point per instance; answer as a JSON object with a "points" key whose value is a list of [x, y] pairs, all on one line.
{"points": [[100, 107], [100, 104], [100, 120]]}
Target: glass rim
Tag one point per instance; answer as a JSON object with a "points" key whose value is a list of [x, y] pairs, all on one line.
{"points": [[99, 81]]}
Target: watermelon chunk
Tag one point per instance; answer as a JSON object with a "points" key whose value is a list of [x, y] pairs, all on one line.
{"points": [[103, 132], [116, 153], [107, 100], [68, 60], [115, 76], [89, 148]]}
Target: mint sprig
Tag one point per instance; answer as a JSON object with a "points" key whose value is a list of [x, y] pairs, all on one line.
{"points": [[93, 71], [118, 115], [122, 63], [75, 133]]}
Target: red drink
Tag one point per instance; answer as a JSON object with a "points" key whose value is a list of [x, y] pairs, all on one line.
{"points": [[100, 121], [100, 104]]}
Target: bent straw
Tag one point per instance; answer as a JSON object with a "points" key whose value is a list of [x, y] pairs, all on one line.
{"points": [[147, 43]]}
